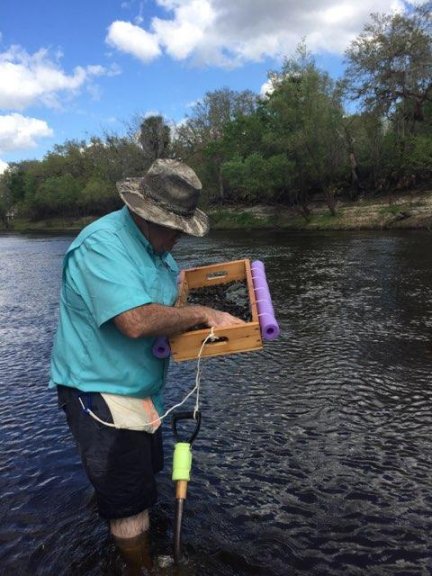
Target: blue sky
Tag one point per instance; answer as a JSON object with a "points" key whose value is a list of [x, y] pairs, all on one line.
{"points": [[72, 70]]}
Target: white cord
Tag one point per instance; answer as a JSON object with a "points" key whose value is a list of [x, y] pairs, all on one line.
{"points": [[210, 336], [196, 388], [93, 415]]}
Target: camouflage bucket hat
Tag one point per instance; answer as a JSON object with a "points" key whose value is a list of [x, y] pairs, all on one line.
{"points": [[167, 195]]}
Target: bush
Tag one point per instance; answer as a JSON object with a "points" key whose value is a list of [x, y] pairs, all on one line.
{"points": [[57, 196], [98, 197], [258, 179]]}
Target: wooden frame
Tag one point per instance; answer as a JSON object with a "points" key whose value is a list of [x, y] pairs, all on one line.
{"points": [[239, 338]]}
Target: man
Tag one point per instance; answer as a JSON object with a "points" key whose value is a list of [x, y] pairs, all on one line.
{"points": [[118, 291]]}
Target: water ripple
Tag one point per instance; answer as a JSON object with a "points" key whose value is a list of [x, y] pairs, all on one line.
{"points": [[314, 455]]}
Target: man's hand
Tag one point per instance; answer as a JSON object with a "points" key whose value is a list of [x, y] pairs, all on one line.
{"points": [[218, 319], [159, 320]]}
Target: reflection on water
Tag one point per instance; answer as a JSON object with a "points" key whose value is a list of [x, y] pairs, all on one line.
{"points": [[314, 456]]}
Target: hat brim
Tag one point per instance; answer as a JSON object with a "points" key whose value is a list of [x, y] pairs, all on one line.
{"points": [[136, 200]]}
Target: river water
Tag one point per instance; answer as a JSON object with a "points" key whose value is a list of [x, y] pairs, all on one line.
{"points": [[314, 455]]}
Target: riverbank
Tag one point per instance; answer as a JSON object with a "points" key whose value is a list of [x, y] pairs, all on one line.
{"points": [[411, 210]]}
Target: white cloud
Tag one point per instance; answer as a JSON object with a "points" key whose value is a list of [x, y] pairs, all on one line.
{"points": [[38, 78], [266, 88], [18, 132], [232, 32], [3, 166], [186, 32], [134, 40]]}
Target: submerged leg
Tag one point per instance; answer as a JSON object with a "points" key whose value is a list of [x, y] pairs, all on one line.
{"points": [[131, 536]]}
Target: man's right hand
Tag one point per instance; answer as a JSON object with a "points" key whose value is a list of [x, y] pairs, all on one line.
{"points": [[159, 320], [218, 319]]}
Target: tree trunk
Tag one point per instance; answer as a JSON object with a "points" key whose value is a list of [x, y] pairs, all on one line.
{"points": [[330, 196], [221, 186], [304, 210], [355, 182]]}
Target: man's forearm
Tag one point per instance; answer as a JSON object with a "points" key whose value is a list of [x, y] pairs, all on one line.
{"points": [[159, 320]]}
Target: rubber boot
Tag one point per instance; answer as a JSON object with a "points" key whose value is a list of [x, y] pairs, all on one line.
{"points": [[136, 553]]}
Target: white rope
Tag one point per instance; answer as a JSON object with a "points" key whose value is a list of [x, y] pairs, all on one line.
{"points": [[196, 388], [210, 337]]}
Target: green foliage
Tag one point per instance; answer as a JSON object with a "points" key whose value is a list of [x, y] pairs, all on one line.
{"points": [[155, 138], [391, 210], [200, 139], [323, 221], [99, 196], [256, 179], [287, 147], [57, 195], [240, 219], [420, 155], [390, 64], [73, 178], [307, 123], [114, 158], [3, 210], [292, 143], [16, 183]]}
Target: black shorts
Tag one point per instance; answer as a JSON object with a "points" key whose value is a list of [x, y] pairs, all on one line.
{"points": [[120, 464]]}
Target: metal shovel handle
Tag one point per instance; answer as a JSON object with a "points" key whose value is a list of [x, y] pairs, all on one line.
{"points": [[178, 416]]}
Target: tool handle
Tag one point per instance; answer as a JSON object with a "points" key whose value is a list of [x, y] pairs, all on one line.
{"points": [[177, 416], [181, 489]]}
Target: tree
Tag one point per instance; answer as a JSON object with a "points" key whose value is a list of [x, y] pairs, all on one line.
{"points": [[5, 203], [390, 72], [68, 158], [99, 196], [258, 179], [306, 123], [113, 158], [211, 114], [14, 179], [155, 139], [57, 196], [198, 139], [390, 64]]}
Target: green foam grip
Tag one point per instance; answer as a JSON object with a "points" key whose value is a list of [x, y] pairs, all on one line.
{"points": [[182, 461]]}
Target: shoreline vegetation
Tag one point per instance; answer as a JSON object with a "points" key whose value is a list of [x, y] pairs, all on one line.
{"points": [[295, 158], [411, 210]]}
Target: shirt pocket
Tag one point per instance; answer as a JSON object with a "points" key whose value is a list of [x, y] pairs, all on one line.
{"points": [[169, 288], [159, 285]]}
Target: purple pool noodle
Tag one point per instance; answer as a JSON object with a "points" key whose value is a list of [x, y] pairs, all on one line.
{"points": [[262, 291], [161, 347], [268, 323]]}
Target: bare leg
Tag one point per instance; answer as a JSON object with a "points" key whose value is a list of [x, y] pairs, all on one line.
{"points": [[131, 536]]}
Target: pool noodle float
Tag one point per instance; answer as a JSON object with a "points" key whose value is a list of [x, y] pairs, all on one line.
{"points": [[266, 316]]}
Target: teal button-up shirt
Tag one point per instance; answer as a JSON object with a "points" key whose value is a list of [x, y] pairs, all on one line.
{"points": [[108, 269]]}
